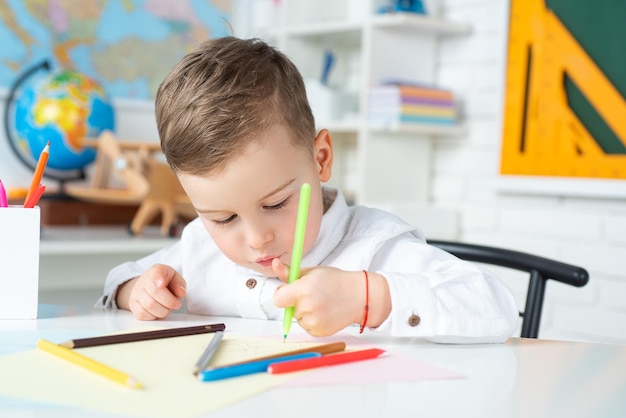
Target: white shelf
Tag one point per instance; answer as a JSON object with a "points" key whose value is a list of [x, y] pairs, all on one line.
{"points": [[99, 240], [349, 33], [332, 28], [421, 129], [400, 21], [374, 163], [420, 23]]}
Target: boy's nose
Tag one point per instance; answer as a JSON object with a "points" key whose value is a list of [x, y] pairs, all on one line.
{"points": [[258, 237]]}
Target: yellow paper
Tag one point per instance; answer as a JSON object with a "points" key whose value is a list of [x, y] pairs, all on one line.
{"points": [[164, 367]]}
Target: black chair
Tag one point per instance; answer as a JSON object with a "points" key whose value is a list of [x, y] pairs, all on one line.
{"points": [[541, 269]]}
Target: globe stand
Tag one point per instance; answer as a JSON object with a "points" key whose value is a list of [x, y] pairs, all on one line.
{"points": [[61, 191], [62, 180], [73, 175]]}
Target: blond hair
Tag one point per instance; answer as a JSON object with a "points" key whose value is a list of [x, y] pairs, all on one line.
{"points": [[221, 96]]}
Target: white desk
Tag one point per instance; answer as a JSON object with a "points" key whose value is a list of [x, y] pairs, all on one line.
{"points": [[522, 378]]}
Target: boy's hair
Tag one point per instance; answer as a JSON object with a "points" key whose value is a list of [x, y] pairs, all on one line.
{"points": [[220, 97]]}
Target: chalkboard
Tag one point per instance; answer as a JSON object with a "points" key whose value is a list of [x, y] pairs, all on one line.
{"points": [[599, 26]]}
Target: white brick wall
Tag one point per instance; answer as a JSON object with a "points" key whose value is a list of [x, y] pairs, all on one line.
{"points": [[587, 232]]}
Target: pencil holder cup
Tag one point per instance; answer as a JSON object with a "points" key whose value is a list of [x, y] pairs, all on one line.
{"points": [[19, 262]]}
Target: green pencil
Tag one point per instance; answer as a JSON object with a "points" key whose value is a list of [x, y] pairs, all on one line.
{"points": [[298, 247]]}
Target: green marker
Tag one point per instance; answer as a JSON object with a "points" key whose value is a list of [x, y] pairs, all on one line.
{"points": [[298, 247]]}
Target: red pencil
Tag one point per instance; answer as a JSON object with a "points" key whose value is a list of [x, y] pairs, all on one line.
{"points": [[35, 196], [329, 360]]}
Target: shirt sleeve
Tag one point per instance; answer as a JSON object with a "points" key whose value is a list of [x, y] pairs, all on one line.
{"points": [[438, 297], [124, 272]]}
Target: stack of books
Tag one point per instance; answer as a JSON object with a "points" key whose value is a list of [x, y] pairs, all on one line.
{"points": [[394, 103]]}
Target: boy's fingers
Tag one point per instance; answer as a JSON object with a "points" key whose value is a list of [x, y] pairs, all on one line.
{"points": [[281, 270], [166, 277], [166, 298], [140, 311], [285, 296], [178, 286], [152, 309], [163, 291]]}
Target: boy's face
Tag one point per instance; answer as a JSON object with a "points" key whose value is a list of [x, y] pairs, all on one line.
{"points": [[250, 207]]}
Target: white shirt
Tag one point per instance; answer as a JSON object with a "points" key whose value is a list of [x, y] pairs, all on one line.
{"points": [[434, 295]]}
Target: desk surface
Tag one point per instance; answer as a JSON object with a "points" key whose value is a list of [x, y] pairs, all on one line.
{"points": [[522, 378]]}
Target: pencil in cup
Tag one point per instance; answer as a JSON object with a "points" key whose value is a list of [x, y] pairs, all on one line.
{"points": [[39, 169], [35, 196], [4, 202], [88, 363]]}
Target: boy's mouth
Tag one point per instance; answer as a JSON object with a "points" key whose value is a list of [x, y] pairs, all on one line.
{"points": [[265, 261]]}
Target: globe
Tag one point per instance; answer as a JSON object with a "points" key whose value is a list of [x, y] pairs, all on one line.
{"points": [[63, 109]]}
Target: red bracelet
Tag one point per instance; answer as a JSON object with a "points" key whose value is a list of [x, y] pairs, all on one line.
{"points": [[367, 303]]}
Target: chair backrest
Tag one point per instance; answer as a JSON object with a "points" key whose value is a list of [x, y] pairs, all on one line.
{"points": [[541, 269]]}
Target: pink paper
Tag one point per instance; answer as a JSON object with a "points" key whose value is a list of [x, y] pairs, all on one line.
{"points": [[389, 367]]}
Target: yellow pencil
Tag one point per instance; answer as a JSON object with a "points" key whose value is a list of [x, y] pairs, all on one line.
{"points": [[88, 363]]}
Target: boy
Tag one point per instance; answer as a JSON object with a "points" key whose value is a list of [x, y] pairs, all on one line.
{"points": [[236, 128]]}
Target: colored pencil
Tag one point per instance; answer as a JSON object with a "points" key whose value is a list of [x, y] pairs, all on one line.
{"points": [[39, 169], [225, 372], [143, 336], [35, 196], [208, 352], [304, 364], [321, 349], [298, 248], [4, 202], [88, 363]]}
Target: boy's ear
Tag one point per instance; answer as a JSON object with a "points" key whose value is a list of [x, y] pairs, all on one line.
{"points": [[323, 151]]}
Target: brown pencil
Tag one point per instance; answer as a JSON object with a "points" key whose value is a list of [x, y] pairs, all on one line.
{"points": [[143, 336], [322, 349]]}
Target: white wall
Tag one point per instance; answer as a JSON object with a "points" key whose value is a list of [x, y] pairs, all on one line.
{"points": [[589, 232]]}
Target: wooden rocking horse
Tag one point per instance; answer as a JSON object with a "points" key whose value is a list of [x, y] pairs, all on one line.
{"points": [[145, 181]]}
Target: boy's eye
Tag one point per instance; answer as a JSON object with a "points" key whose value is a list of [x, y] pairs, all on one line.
{"points": [[225, 221], [278, 206], [231, 218]]}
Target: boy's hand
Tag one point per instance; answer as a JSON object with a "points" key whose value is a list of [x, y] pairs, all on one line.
{"points": [[154, 294], [325, 299]]}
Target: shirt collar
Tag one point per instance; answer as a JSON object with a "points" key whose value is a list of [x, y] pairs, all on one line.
{"points": [[332, 230]]}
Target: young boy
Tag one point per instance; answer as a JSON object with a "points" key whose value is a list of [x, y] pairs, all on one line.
{"points": [[236, 128]]}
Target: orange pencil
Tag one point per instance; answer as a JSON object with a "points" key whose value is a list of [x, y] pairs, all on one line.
{"points": [[34, 198], [41, 166]]}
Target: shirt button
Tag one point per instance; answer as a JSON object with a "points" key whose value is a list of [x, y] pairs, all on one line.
{"points": [[251, 283], [414, 320]]}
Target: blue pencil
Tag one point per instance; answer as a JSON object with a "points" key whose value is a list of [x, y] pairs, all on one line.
{"points": [[243, 369]]}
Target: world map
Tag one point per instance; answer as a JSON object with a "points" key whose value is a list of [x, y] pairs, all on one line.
{"points": [[127, 45]]}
